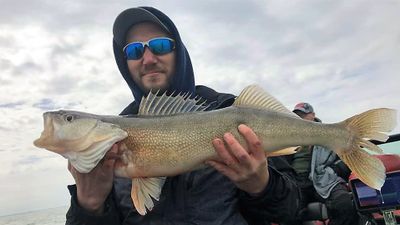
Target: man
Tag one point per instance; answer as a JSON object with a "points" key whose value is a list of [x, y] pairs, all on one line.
{"points": [[317, 170], [242, 187]]}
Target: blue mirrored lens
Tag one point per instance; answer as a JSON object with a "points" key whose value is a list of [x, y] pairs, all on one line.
{"points": [[134, 51], [161, 46]]}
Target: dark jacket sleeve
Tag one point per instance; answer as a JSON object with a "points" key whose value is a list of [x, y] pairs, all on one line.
{"points": [[76, 215], [278, 202]]}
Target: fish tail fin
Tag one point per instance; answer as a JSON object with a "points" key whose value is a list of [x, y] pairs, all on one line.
{"points": [[369, 125]]}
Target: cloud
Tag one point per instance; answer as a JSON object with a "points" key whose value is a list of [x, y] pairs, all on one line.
{"points": [[45, 104], [30, 160], [11, 105], [27, 66]]}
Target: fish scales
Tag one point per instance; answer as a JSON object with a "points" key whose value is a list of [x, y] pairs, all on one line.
{"points": [[181, 142]]}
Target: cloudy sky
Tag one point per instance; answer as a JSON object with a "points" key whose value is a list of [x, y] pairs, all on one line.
{"points": [[341, 56]]}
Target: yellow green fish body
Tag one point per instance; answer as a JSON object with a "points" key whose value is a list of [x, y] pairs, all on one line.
{"points": [[173, 135], [171, 145]]}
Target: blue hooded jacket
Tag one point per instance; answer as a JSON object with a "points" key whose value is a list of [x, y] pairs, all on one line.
{"points": [[183, 79]]}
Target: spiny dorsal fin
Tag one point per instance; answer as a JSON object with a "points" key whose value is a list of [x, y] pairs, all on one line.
{"points": [[143, 190], [169, 105], [254, 96]]}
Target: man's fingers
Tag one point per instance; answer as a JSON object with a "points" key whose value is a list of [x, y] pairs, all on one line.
{"points": [[225, 170], [72, 170], [113, 153], [237, 150], [223, 153], [253, 142], [111, 156]]}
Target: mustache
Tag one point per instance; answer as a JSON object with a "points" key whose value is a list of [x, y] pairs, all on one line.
{"points": [[151, 69]]}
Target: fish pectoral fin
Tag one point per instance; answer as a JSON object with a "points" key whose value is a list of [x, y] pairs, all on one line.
{"points": [[285, 151], [254, 96], [143, 190]]}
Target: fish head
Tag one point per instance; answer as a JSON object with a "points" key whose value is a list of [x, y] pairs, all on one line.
{"points": [[66, 131]]}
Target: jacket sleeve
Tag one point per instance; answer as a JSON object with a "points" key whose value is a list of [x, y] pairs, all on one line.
{"points": [[76, 215], [277, 203]]}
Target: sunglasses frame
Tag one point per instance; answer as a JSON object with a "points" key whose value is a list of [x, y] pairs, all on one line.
{"points": [[146, 43]]}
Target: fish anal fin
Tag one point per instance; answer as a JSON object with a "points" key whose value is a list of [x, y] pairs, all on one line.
{"points": [[285, 151], [144, 190], [254, 96]]}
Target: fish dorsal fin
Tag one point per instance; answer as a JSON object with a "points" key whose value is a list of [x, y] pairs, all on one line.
{"points": [[165, 104], [143, 190], [254, 96]]}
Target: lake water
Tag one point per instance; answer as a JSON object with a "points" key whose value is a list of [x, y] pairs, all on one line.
{"points": [[54, 216]]}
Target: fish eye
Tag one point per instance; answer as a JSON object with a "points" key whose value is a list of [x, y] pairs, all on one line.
{"points": [[69, 118]]}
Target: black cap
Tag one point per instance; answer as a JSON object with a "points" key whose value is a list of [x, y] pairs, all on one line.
{"points": [[129, 17]]}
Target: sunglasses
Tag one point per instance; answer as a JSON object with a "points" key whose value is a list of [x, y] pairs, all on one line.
{"points": [[158, 46]]}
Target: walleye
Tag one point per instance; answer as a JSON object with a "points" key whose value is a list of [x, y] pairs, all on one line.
{"points": [[173, 135]]}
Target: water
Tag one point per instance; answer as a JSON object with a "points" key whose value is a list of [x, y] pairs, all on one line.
{"points": [[54, 216]]}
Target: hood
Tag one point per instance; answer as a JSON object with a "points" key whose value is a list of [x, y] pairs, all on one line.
{"points": [[183, 79]]}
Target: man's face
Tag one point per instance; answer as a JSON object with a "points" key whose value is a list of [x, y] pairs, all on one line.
{"points": [[151, 72], [305, 116]]}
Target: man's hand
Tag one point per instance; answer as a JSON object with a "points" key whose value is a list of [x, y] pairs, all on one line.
{"points": [[247, 168], [94, 187]]}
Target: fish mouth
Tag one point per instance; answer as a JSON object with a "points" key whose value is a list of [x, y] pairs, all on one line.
{"points": [[47, 133]]}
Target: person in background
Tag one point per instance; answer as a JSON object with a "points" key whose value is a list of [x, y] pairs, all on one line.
{"points": [[242, 188], [322, 177]]}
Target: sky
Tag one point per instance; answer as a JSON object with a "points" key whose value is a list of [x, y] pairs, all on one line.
{"points": [[343, 57]]}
